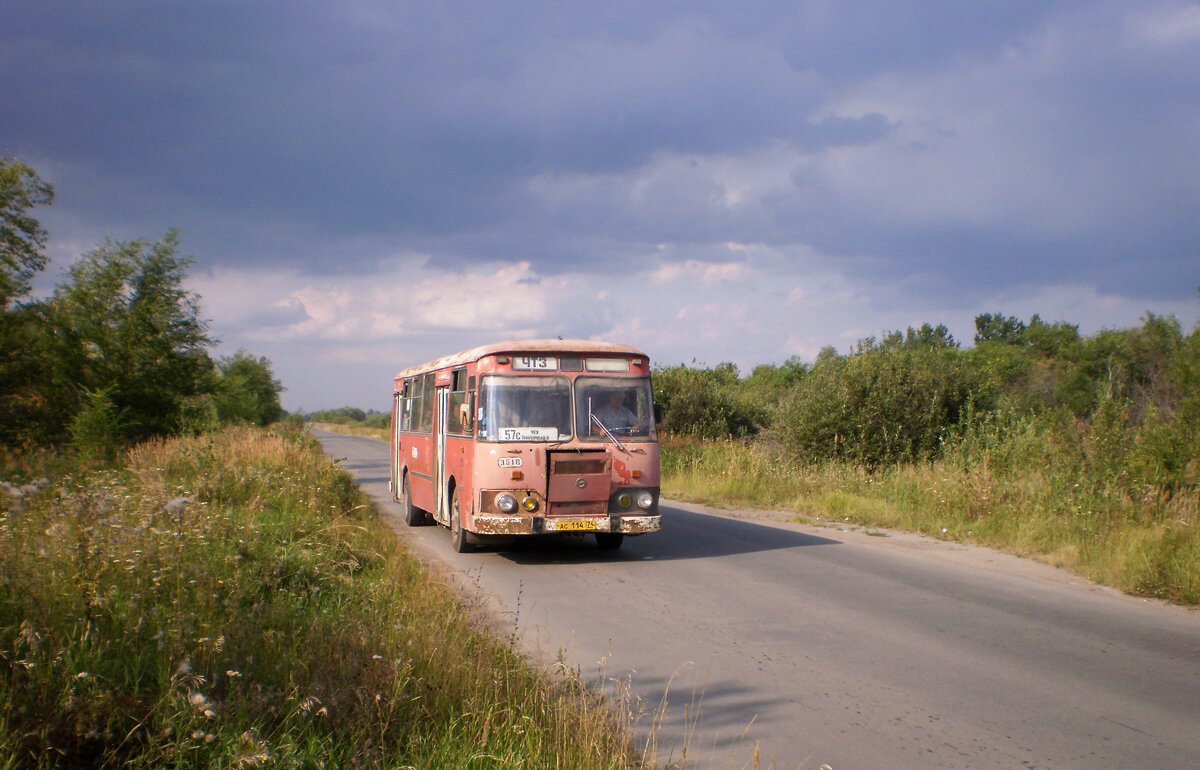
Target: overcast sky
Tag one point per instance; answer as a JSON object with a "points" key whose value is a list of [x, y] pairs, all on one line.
{"points": [[369, 184]]}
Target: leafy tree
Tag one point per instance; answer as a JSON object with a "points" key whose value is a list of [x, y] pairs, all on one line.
{"points": [[772, 377], [28, 408], [22, 238], [22, 245], [124, 324], [826, 355], [247, 391], [993, 327], [928, 336], [1051, 339]]}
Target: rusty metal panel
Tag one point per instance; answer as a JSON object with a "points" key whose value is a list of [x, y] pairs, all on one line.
{"points": [[580, 477], [584, 508]]}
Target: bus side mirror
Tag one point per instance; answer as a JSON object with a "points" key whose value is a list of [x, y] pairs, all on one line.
{"points": [[658, 413]]}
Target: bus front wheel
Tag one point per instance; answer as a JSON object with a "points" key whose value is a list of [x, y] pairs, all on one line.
{"points": [[458, 535], [609, 541]]}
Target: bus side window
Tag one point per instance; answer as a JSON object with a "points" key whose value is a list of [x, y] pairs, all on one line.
{"points": [[460, 416], [427, 402], [406, 404]]}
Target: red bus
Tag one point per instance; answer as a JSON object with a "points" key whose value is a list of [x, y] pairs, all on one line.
{"points": [[528, 437]]}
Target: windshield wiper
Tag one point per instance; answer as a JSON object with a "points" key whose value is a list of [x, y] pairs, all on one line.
{"points": [[608, 433]]}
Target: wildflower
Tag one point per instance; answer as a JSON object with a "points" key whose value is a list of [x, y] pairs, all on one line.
{"points": [[197, 734], [197, 699], [233, 674], [185, 666], [82, 675]]}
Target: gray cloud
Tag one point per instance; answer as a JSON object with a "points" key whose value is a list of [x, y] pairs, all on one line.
{"points": [[925, 150]]}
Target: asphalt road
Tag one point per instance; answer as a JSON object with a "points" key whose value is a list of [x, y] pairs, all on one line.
{"points": [[814, 647]]}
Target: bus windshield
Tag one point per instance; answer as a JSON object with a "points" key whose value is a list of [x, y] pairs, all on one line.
{"points": [[620, 404], [524, 408]]}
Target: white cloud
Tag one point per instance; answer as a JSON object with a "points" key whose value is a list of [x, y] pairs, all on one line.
{"points": [[1167, 24], [702, 273]]}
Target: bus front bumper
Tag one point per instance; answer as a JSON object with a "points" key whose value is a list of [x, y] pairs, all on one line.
{"points": [[491, 524]]}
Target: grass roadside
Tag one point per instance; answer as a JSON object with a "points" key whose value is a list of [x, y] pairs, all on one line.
{"points": [[1145, 542], [233, 600]]}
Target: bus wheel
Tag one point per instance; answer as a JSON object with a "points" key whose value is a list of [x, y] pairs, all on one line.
{"points": [[413, 516], [609, 541], [458, 536]]}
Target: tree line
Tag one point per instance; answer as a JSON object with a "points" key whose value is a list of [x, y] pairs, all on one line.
{"points": [[119, 352], [1122, 404]]}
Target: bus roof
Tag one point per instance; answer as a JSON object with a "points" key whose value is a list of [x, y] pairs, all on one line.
{"points": [[520, 346]]}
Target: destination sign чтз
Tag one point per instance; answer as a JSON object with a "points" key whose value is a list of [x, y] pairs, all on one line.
{"points": [[534, 364]]}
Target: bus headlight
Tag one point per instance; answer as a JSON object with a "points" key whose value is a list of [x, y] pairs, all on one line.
{"points": [[506, 503], [624, 500], [530, 503], [645, 500]]}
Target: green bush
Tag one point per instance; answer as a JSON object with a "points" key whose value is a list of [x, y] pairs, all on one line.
{"points": [[705, 403], [880, 405]]}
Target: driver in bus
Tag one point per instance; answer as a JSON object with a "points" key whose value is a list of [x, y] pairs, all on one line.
{"points": [[614, 414]]}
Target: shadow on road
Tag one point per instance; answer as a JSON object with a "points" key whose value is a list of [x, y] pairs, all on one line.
{"points": [[685, 535]]}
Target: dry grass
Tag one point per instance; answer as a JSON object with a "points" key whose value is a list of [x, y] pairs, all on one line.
{"points": [[1144, 541], [232, 600]]}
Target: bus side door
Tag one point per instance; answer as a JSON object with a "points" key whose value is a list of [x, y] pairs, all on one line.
{"points": [[440, 503]]}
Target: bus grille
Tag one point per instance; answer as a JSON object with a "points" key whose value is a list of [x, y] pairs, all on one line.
{"points": [[580, 467]]}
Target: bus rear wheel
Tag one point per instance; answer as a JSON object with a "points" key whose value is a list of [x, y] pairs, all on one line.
{"points": [[458, 535], [413, 516], [610, 541]]}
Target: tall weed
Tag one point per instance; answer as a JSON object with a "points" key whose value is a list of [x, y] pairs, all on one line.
{"points": [[232, 600]]}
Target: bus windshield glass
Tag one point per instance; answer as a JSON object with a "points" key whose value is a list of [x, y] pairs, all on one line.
{"points": [[620, 404], [524, 408]]}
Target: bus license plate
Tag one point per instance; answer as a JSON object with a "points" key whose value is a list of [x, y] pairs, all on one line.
{"points": [[576, 526]]}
